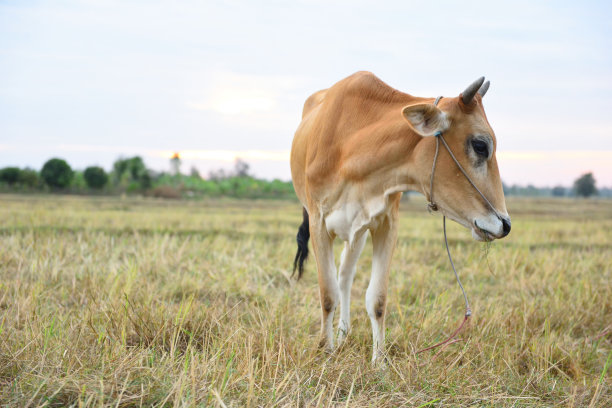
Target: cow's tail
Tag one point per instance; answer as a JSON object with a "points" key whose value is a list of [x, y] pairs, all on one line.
{"points": [[302, 238]]}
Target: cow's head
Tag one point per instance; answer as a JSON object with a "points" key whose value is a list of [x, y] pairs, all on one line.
{"points": [[465, 128]]}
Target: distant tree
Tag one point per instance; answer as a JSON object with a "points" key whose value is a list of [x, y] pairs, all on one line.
{"points": [[130, 172], [133, 167], [241, 168], [532, 191], [29, 178], [509, 190], [194, 172], [558, 191], [605, 192], [95, 177], [56, 173], [584, 186], [10, 175], [217, 175], [120, 167], [78, 182]]}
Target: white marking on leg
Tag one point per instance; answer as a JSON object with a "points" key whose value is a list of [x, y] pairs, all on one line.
{"points": [[383, 241], [322, 245], [348, 267], [372, 304]]}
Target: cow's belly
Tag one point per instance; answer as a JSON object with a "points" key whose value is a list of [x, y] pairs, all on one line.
{"points": [[349, 220]]}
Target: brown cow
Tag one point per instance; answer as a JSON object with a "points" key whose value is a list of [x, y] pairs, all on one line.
{"points": [[360, 145]]}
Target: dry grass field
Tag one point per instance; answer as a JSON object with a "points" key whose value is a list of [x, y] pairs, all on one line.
{"points": [[133, 302]]}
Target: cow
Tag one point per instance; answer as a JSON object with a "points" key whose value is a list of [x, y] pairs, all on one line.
{"points": [[359, 146]]}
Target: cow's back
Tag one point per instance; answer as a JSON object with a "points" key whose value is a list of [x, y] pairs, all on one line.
{"points": [[347, 116]]}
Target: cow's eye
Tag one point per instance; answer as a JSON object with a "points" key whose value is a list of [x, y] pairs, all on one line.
{"points": [[481, 148]]}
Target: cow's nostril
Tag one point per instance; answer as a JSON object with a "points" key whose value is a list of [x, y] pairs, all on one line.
{"points": [[507, 225]]}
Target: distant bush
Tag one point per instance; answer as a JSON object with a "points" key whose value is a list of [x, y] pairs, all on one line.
{"points": [[95, 177], [558, 191], [10, 175], [237, 187], [166, 192], [29, 178], [56, 173]]}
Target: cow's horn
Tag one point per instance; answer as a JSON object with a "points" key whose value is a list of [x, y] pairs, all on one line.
{"points": [[470, 91], [484, 88]]}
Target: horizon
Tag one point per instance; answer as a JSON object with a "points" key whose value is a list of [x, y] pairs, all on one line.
{"points": [[230, 159], [90, 81]]}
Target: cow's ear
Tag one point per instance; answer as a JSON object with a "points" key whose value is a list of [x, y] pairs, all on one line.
{"points": [[426, 119]]}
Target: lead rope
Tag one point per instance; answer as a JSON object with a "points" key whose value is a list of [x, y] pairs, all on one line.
{"points": [[431, 206], [468, 310]]}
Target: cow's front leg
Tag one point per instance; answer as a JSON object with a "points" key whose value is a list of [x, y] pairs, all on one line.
{"points": [[383, 241], [348, 267], [322, 244]]}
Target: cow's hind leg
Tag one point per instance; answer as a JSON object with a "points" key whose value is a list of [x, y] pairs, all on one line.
{"points": [[383, 241], [348, 267], [322, 244]]}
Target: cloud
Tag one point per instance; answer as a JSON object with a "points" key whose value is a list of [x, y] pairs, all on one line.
{"points": [[230, 93], [232, 102]]}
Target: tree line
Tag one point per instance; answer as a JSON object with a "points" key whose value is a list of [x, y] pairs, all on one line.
{"points": [[130, 175], [583, 186]]}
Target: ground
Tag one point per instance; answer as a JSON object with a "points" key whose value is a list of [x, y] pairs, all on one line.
{"points": [[130, 302]]}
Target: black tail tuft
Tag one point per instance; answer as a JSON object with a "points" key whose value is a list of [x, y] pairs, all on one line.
{"points": [[302, 238]]}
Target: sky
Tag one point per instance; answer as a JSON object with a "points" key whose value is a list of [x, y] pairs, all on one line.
{"points": [[92, 80]]}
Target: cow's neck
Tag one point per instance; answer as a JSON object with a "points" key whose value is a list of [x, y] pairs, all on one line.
{"points": [[393, 168], [389, 180]]}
